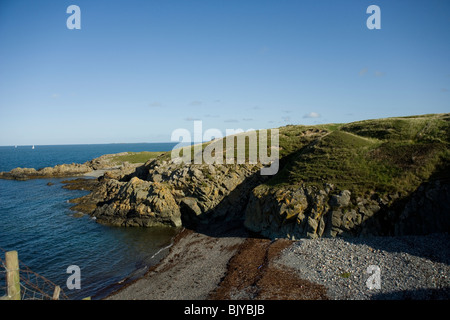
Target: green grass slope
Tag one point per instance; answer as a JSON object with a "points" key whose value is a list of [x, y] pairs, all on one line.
{"points": [[383, 155]]}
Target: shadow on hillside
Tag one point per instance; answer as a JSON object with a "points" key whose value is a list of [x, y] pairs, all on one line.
{"points": [[422, 231], [226, 219]]}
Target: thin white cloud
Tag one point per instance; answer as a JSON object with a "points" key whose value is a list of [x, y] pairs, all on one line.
{"points": [[195, 103], [231, 120], [363, 71], [311, 115], [247, 119], [379, 74], [155, 104]]}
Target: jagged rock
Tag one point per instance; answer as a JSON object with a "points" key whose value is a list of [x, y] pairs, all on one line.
{"points": [[296, 212], [164, 192], [312, 227], [191, 204], [136, 203], [336, 218], [341, 200]]}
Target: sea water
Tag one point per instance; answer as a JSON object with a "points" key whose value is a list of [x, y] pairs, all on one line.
{"points": [[36, 220]]}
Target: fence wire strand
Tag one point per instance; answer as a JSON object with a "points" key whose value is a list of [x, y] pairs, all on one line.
{"points": [[32, 285]]}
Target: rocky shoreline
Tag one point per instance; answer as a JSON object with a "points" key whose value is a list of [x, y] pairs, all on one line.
{"points": [[240, 266], [161, 192], [95, 168]]}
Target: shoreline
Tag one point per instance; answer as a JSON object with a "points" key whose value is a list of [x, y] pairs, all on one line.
{"points": [[93, 168], [219, 267], [136, 274], [215, 265], [130, 280]]}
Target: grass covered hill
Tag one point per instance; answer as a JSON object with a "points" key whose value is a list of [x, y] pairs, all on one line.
{"points": [[383, 155]]}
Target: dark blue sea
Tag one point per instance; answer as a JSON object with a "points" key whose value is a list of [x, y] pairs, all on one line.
{"points": [[36, 220]]}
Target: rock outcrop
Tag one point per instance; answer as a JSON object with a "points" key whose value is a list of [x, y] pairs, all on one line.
{"points": [[63, 170], [298, 212], [166, 193]]}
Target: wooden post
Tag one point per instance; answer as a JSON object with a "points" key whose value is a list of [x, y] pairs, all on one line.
{"points": [[56, 293], [12, 275]]}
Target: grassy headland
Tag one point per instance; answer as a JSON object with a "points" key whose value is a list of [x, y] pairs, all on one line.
{"points": [[136, 157], [381, 155]]}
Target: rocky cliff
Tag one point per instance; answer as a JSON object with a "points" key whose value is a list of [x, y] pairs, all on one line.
{"points": [[298, 212], [375, 177], [165, 193]]}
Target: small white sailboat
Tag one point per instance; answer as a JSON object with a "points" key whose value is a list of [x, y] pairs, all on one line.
{"points": [[32, 147]]}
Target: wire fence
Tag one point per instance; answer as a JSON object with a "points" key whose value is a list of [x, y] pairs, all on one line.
{"points": [[32, 285]]}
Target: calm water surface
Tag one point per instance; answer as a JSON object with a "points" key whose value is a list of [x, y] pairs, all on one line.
{"points": [[36, 220]]}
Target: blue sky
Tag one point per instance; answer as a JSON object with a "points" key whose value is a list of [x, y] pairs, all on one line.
{"points": [[137, 70]]}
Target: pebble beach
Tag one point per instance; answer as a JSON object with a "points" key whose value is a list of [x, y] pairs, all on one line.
{"points": [[409, 267], [202, 267]]}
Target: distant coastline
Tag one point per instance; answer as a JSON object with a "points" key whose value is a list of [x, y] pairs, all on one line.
{"points": [[52, 155]]}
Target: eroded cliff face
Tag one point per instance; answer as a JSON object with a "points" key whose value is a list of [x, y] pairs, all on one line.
{"points": [[166, 193], [311, 212]]}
